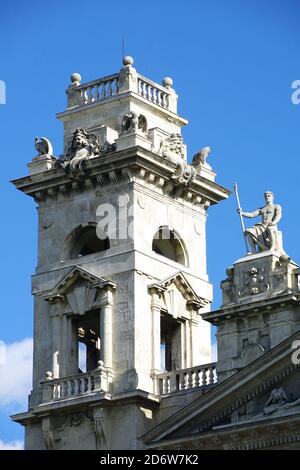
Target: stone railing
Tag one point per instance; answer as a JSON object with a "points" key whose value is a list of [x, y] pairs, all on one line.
{"points": [[55, 389], [128, 80], [153, 92], [98, 90], [184, 379]]}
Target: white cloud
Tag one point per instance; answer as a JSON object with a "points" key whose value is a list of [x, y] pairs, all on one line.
{"points": [[11, 445], [16, 373]]}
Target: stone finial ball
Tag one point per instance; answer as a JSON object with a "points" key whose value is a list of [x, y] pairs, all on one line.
{"points": [[75, 77], [49, 375], [127, 60], [167, 81], [100, 364]]}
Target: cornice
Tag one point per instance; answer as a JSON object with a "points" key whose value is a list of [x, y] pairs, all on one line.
{"points": [[134, 164]]}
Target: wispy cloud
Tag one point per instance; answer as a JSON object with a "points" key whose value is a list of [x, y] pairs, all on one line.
{"points": [[11, 445], [16, 373]]}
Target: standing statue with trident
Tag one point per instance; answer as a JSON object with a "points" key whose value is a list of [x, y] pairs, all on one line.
{"points": [[263, 236]]}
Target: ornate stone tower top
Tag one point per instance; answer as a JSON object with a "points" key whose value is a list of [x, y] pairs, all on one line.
{"points": [[121, 271]]}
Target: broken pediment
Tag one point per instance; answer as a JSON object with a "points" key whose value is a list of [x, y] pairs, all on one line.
{"points": [[80, 289]]}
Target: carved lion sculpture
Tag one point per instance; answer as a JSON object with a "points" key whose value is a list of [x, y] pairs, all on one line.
{"points": [[83, 147]]}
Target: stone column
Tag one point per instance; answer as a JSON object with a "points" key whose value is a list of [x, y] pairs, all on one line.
{"points": [[193, 334], [155, 333], [188, 345], [106, 344], [55, 313]]}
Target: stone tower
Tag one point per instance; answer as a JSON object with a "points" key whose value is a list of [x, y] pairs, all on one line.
{"points": [[121, 279]]}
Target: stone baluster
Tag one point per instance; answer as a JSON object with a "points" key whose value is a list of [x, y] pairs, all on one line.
{"points": [[62, 390], [96, 94], [182, 381], [159, 97], [154, 95], [190, 379], [210, 375], [166, 384], [103, 91], [76, 387], [197, 378], [70, 387], [89, 383], [204, 378], [55, 392]]}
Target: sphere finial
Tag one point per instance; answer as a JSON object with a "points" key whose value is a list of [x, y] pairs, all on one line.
{"points": [[127, 60], [49, 375], [167, 82], [76, 78]]}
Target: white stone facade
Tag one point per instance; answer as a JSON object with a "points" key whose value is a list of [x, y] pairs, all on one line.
{"points": [[134, 303]]}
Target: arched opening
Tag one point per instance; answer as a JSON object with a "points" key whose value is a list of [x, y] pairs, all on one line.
{"points": [[167, 243], [84, 240]]}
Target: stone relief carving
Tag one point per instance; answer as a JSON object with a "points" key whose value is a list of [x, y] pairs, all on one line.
{"points": [[131, 122], [278, 402], [83, 147], [99, 429], [76, 420], [199, 159], [277, 399], [48, 434], [254, 282], [172, 149], [43, 146], [172, 145]]}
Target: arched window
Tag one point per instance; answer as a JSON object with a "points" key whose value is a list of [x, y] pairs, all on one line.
{"points": [[85, 241], [167, 243]]}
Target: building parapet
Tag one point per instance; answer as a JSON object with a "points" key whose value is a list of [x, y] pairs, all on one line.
{"points": [[184, 379]]}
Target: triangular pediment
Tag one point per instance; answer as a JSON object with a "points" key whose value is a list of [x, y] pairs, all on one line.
{"points": [[72, 277], [179, 281], [261, 396], [80, 288]]}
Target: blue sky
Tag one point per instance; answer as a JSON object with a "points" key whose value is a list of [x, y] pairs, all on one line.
{"points": [[232, 62]]}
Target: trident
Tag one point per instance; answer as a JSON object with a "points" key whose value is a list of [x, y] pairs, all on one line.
{"points": [[235, 187]]}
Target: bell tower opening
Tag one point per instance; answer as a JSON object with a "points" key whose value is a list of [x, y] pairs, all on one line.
{"points": [[84, 240], [168, 244], [170, 344], [88, 341]]}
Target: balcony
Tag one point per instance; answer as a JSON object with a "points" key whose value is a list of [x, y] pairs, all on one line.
{"points": [[185, 379], [74, 386]]}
